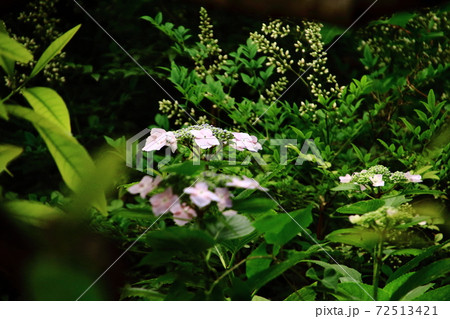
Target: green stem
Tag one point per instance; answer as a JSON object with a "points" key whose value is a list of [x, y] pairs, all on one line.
{"points": [[377, 264]]}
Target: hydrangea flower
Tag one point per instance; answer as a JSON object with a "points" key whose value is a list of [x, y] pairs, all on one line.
{"points": [[244, 141], [413, 178], [162, 202], [224, 196], [345, 179], [246, 182], [204, 138], [200, 195], [182, 213], [378, 175], [145, 186], [158, 139], [377, 180]]}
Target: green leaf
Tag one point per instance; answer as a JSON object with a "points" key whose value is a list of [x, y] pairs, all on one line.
{"points": [[3, 112], [47, 103], [280, 228], [146, 294], [53, 49], [32, 212], [347, 274], [425, 275], [253, 205], [7, 64], [232, 227], [414, 262], [362, 207], [71, 158], [303, 294], [7, 154], [358, 237], [350, 291], [265, 276], [187, 168], [346, 187], [11, 49], [438, 294], [179, 239], [254, 266]]}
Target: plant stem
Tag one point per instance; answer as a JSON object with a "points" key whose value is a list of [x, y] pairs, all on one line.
{"points": [[378, 262]]}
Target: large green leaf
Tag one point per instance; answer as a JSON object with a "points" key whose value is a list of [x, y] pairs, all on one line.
{"points": [[7, 154], [180, 240], [263, 277], [351, 291], [11, 49], [53, 49], [6, 63], [71, 158], [362, 207], [253, 205], [438, 294], [406, 268], [49, 104], [231, 227], [3, 112], [303, 294], [187, 168], [280, 228], [423, 276], [146, 294], [32, 212], [357, 236], [346, 274], [254, 266]]}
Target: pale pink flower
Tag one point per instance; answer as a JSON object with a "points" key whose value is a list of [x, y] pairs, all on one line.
{"points": [[200, 195], [362, 187], [224, 198], [423, 223], [245, 182], [243, 141], [377, 180], [145, 186], [229, 212], [158, 139], [413, 178], [182, 214], [345, 179], [171, 141], [162, 202], [204, 138]]}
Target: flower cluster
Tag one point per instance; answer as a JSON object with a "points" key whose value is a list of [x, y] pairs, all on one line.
{"points": [[378, 176], [387, 216], [199, 194], [204, 136]]}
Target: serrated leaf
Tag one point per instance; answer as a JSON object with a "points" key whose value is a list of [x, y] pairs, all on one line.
{"points": [[356, 236], [362, 207], [232, 227], [187, 168], [47, 103], [53, 49]]}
